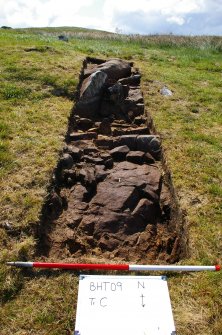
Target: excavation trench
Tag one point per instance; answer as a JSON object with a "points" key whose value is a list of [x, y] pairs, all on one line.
{"points": [[111, 195]]}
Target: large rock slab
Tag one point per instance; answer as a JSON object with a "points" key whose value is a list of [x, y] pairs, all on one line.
{"points": [[115, 197], [114, 68], [90, 94], [140, 176], [92, 86]]}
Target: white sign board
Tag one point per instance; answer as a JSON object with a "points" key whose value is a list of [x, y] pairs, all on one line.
{"points": [[123, 305]]}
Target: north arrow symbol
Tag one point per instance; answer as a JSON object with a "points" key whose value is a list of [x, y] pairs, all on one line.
{"points": [[142, 296]]}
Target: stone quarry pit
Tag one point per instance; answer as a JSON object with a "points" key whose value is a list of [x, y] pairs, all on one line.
{"points": [[111, 196]]}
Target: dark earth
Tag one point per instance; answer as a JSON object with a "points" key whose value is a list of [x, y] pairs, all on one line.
{"points": [[111, 195]]}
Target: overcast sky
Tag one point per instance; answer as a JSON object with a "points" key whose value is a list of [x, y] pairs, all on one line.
{"points": [[186, 17]]}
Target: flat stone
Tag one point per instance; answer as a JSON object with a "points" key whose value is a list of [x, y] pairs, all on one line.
{"points": [[104, 142], [122, 125], [132, 80], [94, 160], [119, 153], [130, 131], [136, 157], [125, 166], [75, 136], [115, 198], [140, 176], [93, 130]]}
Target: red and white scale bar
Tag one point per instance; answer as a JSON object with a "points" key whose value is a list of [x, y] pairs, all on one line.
{"points": [[120, 267]]}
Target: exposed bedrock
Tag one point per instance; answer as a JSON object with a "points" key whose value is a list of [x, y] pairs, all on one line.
{"points": [[110, 196]]}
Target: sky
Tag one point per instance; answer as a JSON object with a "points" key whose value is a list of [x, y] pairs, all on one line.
{"points": [[179, 17]]}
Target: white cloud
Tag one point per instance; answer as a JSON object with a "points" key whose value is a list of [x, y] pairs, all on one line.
{"points": [[148, 6], [176, 19], [161, 16], [139, 16], [39, 13]]}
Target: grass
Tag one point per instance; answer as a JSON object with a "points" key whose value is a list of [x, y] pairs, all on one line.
{"points": [[38, 77]]}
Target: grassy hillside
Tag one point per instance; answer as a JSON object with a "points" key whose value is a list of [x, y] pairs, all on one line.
{"points": [[39, 75]]}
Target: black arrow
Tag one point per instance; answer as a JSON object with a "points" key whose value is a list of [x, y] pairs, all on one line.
{"points": [[142, 296]]}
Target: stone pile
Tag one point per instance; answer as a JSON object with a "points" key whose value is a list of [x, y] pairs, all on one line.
{"points": [[109, 197]]}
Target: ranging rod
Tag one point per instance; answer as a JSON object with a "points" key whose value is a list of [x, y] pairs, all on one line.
{"points": [[122, 267]]}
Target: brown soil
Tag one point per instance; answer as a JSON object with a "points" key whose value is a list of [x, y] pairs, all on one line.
{"points": [[111, 196]]}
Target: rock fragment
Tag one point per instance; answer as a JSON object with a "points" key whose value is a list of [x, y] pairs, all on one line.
{"points": [[119, 153], [136, 157]]}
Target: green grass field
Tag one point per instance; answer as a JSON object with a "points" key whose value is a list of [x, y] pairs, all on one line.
{"points": [[39, 75]]}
